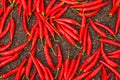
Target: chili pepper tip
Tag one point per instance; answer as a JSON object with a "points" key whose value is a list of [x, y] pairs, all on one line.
{"points": [[53, 51], [115, 37], [27, 77], [110, 15], [77, 46], [23, 77], [41, 39], [57, 73], [54, 38]]}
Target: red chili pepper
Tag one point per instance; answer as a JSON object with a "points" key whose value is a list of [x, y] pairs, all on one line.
{"points": [[114, 56], [117, 22], [104, 74], [80, 77], [89, 42], [111, 68], [29, 63], [38, 68], [5, 30], [9, 60], [108, 76], [42, 8], [61, 12], [48, 57], [4, 58], [93, 73], [93, 3], [76, 66], [83, 24], [14, 50], [24, 4], [19, 10], [1, 11], [109, 41], [49, 6], [50, 73], [17, 77], [4, 5], [54, 8], [68, 20], [110, 62], [43, 69], [36, 4], [9, 73], [87, 61], [33, 75], [8, 10], [88, 14], [70, 2], [35, 38], [29, 7], [59, 58], [61, 73], [100, 32], [114, 52], [24, 24], [70, 33], [4, 47], [93, 61], [12, 29], [22, 72]]}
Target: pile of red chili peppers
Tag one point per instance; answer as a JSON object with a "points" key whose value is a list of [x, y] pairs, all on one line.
{"points": [[50, 24]]}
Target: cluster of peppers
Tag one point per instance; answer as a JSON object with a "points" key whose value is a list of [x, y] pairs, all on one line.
{"points": [[49, 22]]}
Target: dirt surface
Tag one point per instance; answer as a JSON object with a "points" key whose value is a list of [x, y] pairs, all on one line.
{"points": [[20, 37]]}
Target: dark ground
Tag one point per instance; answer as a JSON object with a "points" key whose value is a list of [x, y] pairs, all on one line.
{"points": [[20, 37]]}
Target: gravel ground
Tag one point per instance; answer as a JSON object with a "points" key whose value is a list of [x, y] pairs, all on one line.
{"points": [[20, 37]]}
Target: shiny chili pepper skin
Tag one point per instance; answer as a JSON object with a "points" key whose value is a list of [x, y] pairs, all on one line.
{"points": [[7, 74], [93, 73], [80, 77], [49, 6], [48, 57], [104, 73], [4, 47], [17, 77], [114, 56], [12, 29], [110, 62], [42, 8], [33, 75], [61, 73], [117, 22], [19, 10], [108, 76], [9, 60], [38, 68], [29, 7], [14, 50], [22, 72], [50, 73], [109, 41], [111, 68], [114, 52]]}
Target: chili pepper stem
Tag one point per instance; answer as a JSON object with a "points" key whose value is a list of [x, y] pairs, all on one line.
{"points": [[41, 39], [109, 37], [23, 77], [57, 73], [115, 37], [27, 78], [83, 52], [110, 15], [77, 46], [53, 51], [0, 77], [54, 38]]}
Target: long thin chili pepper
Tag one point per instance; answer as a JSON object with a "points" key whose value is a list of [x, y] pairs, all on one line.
{"points": [[93, 73], [114, 52], [48, 57], [89, 42], [104, 73], [9, 60], [50, 73], [9, 73], [76, 66], [61, 73], [1, 11], [38, 68], [29, 7], [4, 58], [70, 2], [111, 68], [42, 8], [114, 56], [12, 29], [59, 58], [49, 6], [22, 72], [110, 62], [17, 77], [109, 41], [4, 47], [108, 76], [93, 62], [14, 50], [117, 22], [33, 75]]}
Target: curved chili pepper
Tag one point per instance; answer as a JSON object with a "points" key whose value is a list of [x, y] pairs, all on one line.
{"points": [[3, 48], [117, 22], [1, 11], [4, 58], [70, 2], [80, 77], [49, 6], [38, 68], [14, 50], [33, 75], [7, 74], [9, 60], [61, 73], [114, 52], [114, 56], [29, 7], [109, 41], [50, 73], [108, 76], [48, 57], [17, 77], [104, 74], [12, 29], [42, 8], [110, 62], [24, 4], [59, 58], [112, 69], [93, 73], [22, 72], [19, 10]]}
